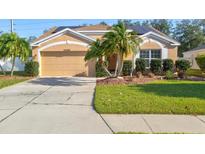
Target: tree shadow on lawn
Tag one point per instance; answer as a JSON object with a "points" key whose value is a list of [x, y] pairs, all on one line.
{"points": [[189, 90]]}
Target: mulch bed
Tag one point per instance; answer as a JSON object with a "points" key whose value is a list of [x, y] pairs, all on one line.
{"points": [[126, 80]]}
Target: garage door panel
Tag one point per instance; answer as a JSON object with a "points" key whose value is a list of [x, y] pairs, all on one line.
{"points": [[63, 63], [63, 69], [63, 53]]}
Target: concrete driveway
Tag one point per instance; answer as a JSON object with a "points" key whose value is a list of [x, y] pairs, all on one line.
{"points": [[50, 105]]}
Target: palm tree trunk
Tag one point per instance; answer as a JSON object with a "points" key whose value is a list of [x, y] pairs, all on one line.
{"points": [[120, 65], [13, 64], [106, 70], [2, 70], [117, 64], [133, 64]]}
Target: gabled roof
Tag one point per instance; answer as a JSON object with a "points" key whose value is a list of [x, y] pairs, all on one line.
{"points": [[201, 47], [197, 49], [145, 30], [54, 34], [78, 30], [51, 31]]}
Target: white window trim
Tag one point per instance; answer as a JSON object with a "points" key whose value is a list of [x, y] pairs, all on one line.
{"points": [[150, 55]]}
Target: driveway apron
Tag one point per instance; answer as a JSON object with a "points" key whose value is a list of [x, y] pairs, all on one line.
{"points": [[51, 105]]}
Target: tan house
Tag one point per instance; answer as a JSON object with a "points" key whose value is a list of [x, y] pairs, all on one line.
{"points": [[61, 51], [191, 55]]}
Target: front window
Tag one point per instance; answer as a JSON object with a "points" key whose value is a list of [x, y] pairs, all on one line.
{"points": [[148, 55]]}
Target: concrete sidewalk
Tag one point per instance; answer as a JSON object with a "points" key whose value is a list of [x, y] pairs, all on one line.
{"points": [[152, 123]]}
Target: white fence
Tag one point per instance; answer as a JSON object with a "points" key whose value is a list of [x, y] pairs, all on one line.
{"points": [[19, 65]]}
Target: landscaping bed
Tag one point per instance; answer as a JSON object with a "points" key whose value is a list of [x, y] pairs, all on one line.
{"points": [[127, 80], [160, 97]]}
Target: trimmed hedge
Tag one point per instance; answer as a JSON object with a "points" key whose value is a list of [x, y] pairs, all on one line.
{"points": [[182, 65], [200, 59], [100, 72], [31, 68], [168, 65], [140, 65], [156, 65], [127, 67]]}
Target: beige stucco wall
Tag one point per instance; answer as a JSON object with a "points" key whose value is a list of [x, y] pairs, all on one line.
{"points": [[172, 51], [150, 45], [96, 36], [77, 57]]}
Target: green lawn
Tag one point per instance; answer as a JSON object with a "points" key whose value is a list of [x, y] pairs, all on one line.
{"points": [[195, 72], [19, 76], [11, 81], [165, 97]]}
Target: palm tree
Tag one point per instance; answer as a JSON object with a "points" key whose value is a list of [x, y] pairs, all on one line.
{"points": [[96, 50], [12, 46], [121, 42], [1, 57]]}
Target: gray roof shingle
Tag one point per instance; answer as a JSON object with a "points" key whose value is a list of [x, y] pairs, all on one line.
{"points": [[198, 48], [139, 29]]}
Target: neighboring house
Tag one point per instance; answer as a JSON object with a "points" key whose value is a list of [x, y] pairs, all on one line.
{"points": [[7, 64], [191, 55], [61, 51]]}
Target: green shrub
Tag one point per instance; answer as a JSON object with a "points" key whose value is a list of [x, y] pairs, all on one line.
{"points": [[127, 67], [32, 68], [200, 59], [182, 65], [156, 65], [169, 75], [140, 65], [168, 65], [100, 72]]}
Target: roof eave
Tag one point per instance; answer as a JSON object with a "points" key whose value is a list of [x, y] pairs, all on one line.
{"points": [[173, 42], [37, 43]]}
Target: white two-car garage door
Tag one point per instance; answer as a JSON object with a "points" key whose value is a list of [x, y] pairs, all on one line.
{"points": [[63, 63]]}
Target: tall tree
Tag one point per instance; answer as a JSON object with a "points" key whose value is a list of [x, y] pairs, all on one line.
{"points": [[31, 39], [127, 22], [202, 24], [103, 23], [12, 46], [163, 25], [190, 34]]}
